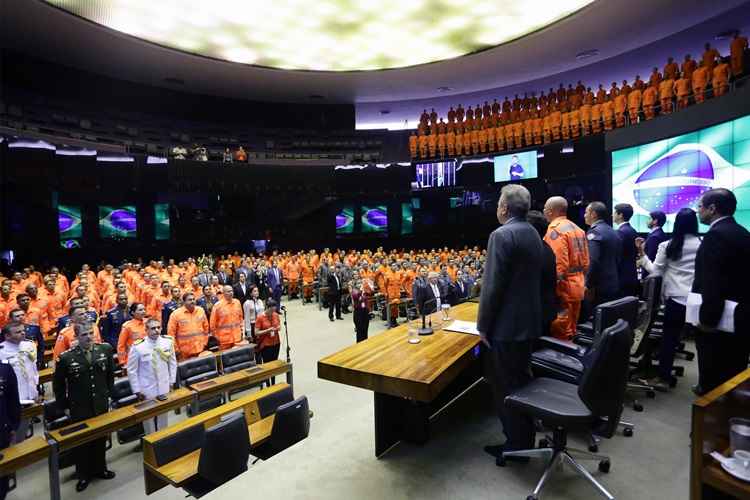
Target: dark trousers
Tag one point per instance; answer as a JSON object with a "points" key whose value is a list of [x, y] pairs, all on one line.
{"points": [[721, 356], [91, 459], [334, 302], [4, 443], [270, 353], [276, 296], [674, 322], [508, 368], [361, 322]]}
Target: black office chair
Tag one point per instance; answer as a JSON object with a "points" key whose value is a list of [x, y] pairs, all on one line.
{"points": [[290, 425], [54, 417], [122, 395], [237, 358], [197, 370], [269, 404], [224, 455], [596, 403]]}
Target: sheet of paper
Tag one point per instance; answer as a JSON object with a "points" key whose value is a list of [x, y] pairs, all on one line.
{"points": [[692, 312], [460, 326]]}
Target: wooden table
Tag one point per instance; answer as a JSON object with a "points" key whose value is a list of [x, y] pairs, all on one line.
{"points": [[23, 454], [409, 380], [710, 432], [243, 378], [45, 375]]}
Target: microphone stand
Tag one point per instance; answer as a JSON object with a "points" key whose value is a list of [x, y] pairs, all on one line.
{"points": [[286, 338], [426, 329]]}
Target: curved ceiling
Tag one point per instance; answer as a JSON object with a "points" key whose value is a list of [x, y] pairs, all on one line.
{"points": [[325, 35], [613, 28]]}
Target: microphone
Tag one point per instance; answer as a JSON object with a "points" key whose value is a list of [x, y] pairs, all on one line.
{"points": [[425, 330], [283, 308]]}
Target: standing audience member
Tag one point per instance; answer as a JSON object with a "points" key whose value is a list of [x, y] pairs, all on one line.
{"points": [[20, 354], [549, 283], [656, 235], [361, 313], [334, 293], [152, 370], [10, 414], [227, 323], [275, 281], [132, 330], [510, 311], [721, 274], [115, 318], [675, 263], [605, 249], [267, 331], [188, 326], [626, 271], [252, 308]]}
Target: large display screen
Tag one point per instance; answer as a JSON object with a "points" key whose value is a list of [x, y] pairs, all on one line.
{"points": [[407, 219], [345, 220], [374, 219], [673, 173], [69, 222], [433, 175], [515, 167], [161, 221], [117, 222]]}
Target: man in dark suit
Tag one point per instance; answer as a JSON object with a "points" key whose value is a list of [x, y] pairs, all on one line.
{"points": [[657, 235], [605, 249], [460, 289], [548, 286], [242, 288], [509, 311], [204, 278], [223, 276], [335, 284], [275, 281], [626, 270], [721, 274], [431, 295]]}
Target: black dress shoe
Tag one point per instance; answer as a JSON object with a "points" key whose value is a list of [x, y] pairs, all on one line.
{"points": [[82, 484], [331, 319], [698, 390], [107, 474], [340, 318]]}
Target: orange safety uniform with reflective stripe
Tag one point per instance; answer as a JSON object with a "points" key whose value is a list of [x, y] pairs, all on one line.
{"points": [[131, 331], [156, 305], [570, 246], [190, 331], [65, 340], [227, 323]]}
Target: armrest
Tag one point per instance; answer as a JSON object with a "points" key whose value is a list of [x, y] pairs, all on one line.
{"points": [[586, 328], [583, 340], [562, 346]]}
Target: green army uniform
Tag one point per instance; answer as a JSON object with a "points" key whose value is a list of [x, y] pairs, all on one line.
{"points": [[82, 383]]}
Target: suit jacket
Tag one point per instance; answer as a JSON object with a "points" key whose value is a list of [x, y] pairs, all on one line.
{"points": [[510, 300], [722, 273], [626, 270], [334, 287], [548, 285], [204, 279], [223, 278], [653, 240], [460, 291], [426, 303], [239, 294], [605, 249], [273, 282]]}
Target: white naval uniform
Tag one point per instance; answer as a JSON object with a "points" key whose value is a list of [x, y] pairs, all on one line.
{"points": [[152, 370], [22, 357]]}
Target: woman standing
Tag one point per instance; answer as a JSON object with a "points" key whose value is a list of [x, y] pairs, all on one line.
{"points": [[267, 328], [131, 331], [361, 308], [253, 307], [675, 263]]}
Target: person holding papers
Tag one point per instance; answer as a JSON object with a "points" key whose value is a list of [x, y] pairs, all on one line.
{"points": [[721, 274], [675, 263]]}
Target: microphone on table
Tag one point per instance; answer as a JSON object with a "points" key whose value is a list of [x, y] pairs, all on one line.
{"points": [[283, 308], [426, 330]]}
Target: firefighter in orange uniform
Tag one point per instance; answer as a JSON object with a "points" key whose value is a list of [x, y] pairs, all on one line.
{"points": [[132, 330], [188, 326], [474, 141], [413, 144], [650, 96], [227, 323], [292, 274], [634, 104], [688, 66], [518, 133], [720, 81], [491, 143], [459, 141], [620, 108], [666, 93], [423, 146], [655, 78], [156, 304], [508, 129], [308, 277], [700, 80], [570, 246], [596, 117], [441, 144], [710, 56], [546, 129], [736, 54], [393, 287], [528, 131], [555, 118], [682, 89], [500, 137], [537, 130], [565, 124], [482, 136], [608, 114], [432, 143], [671, 70]]}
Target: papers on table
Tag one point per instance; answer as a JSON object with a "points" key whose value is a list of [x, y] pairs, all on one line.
{"points": [[692, 313], [459, 326]]}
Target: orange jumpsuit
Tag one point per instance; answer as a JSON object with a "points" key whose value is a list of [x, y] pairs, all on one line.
{"points": [[565, 124], [596, 117], [518, 133], [491, 143], [666, 93], [482, 136], [441, 144], [700, 80], [308, 276], [682, 89], [608, 114], [450, 143], [293, 275], [736, 51], [413, 144], [720, 81], [227, 323], [710, 57], [131, 331], [393, 285], [190, 331], [688, 66], [649, 101], [555, 118], [570, 246], [634, 105], [621, 103], [500, 137], [459, 143], [432, 144], [156, 305], [65, 339], [423, 146], [547, 129], [474, 141], [671, 70], [509, 136], [537, 130]]}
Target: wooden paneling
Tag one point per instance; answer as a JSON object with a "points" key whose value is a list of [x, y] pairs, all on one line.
{"points": [[388, 364], [241, 378], [23, 454]]}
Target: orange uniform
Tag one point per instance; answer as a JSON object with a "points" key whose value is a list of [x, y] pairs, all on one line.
{"points": [[528, 131], [190, 331], [474, 141], [413, 144], [393, 286], [156, 305], [537, 130], [292, 273], [682, 89], [272, 338], [649, 101], [736, 50], [596, 117], [700, 80], [634, 105], [565, 125], [570, 246], [608, 114], [508, 129], [620, 108], [720, 81], [432, 144], [554, 120], [450, 143], [441, 144], [688, 66], [500, 137], [666, 93], [546, 129], [423, 146], [131, 331], [227, 323], [709, 58], [518, 133], [65, 340]]}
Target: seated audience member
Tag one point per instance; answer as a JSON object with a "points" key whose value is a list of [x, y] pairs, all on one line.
{"points": [[675, 263]]}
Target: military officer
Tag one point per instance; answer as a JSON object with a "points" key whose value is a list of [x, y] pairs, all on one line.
{"points": [[82, 383], [20, 354], [602, 282], [171, 306], [10, 414], [114, 319], [32, 333], [152, 369]]}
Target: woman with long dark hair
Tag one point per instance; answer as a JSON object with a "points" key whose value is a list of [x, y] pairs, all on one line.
{"points": [[675, 263]]}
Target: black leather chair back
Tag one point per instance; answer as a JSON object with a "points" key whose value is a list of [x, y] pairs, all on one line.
{"points": [[54, 416], [225, 450], [605, 376], [269, 404], [238, 358], [291, 424], [647, 316], [196, 370], [122, 393]]}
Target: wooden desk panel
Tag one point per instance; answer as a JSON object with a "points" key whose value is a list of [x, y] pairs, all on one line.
{"points": [[114, 420], [32, 410], [23, 454], [241, 378], [45, 375], [388, 364]]}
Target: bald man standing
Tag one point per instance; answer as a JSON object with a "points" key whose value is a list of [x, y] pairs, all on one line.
{"points": [[569, 244]]}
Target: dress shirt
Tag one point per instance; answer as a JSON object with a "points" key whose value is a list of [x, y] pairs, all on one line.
{"points": [[252, 309], [436, 292], [678, 274]]}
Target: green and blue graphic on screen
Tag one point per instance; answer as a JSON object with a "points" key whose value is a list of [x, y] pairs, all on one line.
{"points": [[345, 220], [161, 221], [374, 219], [69, 226], [673, 173], [117, 222], [407, 219]]}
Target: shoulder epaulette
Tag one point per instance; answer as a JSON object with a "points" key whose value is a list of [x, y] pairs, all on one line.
{"points": [[139, 341]]}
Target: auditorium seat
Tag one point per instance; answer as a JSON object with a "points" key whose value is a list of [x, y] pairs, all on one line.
{"points": [[197, 370], [122, 395], [290, 426]]}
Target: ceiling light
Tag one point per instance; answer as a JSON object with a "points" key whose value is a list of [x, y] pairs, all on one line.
{"points": [[587, 54]]}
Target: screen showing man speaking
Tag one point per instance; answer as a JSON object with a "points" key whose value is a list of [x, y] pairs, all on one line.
{"points": [[515, 167]]}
